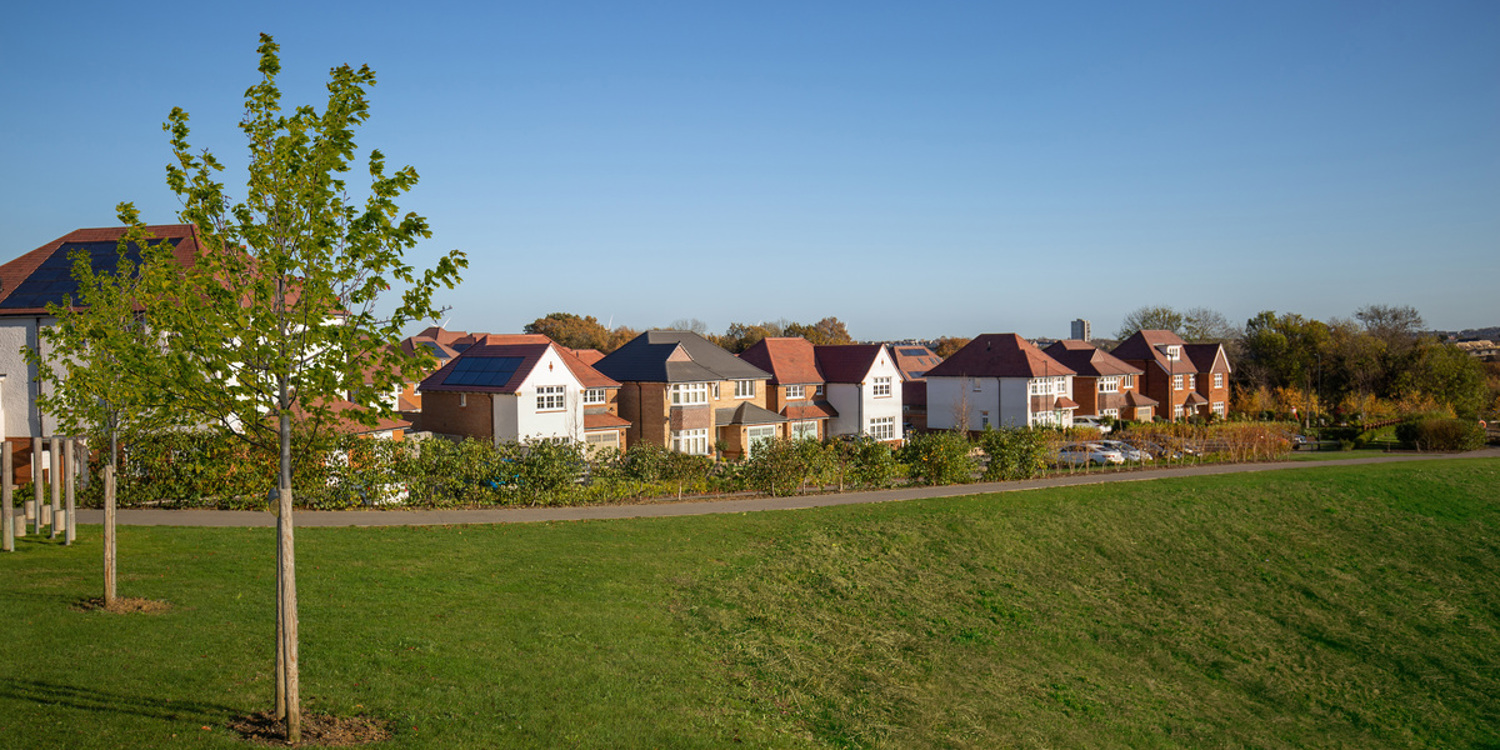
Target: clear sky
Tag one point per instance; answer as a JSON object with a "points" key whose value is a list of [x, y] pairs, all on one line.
{"points": [[916, 169]]}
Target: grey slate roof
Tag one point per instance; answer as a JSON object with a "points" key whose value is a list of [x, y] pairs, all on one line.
{"points": [[649, 358], [746, 414]]}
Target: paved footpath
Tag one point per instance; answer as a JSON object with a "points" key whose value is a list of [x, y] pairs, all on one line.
{"points": [[403, 517]]}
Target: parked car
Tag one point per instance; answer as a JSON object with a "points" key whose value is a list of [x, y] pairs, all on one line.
{"points": [[1093, 422], [1130, 452], [1087, 454]]}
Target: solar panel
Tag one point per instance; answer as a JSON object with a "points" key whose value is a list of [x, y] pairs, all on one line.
{"points": [[912, 352], [486, 372], [53, 281]]}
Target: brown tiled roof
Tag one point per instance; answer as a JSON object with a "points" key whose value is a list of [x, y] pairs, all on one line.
{"points": [[604, 421], [789, 359], [846, 363], [1136, 398], [814, 410], [1063, 402], [585, 372], [1000, 355], [914, 360], [1193, 399], [15, 274], [589, 356], [1150, 346], [1205, 356], [501, 339], [1087, 360]]}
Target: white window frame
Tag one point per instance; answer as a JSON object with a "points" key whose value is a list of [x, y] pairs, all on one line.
{"points": [[1178, 411], [1109, 384], [1039, 387], [880, 387], [1127, 381], [551, 397], [1176, 382], [463, 400], [694, 442], [1192, 381], [807, 430], [1110, 413], [715, 387], [882, 428], [1174, 353], [796, 392], [1217, 408], [819, 390], [689, 394], [744, 389], [1218, 380], [594, 396]]}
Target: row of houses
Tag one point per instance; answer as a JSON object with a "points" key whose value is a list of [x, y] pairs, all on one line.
{"points": [[674, 389], [680, 391]]}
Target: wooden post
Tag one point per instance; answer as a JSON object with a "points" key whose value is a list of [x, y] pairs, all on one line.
{"points": [[71, 532], [56, 489], [7, 510], [34, 512], [109, 535]]}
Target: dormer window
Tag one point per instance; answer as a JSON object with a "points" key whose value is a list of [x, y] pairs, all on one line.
{"points": [[1174, 353]]}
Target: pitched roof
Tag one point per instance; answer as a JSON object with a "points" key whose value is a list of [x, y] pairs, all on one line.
{"points": [[1088, 360], [913, 360], [1206, 356], [1151, 346], [589, 356], [1000, 355], [45, 275], [675, 357], [846, 363], [789, 359], [814, 410], [746, 413], [603, 421], [501, 368]]}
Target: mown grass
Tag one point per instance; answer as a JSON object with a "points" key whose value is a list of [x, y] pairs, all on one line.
{"points": [[1343, 606]]}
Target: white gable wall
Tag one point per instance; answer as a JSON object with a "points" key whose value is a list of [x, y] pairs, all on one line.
{"points": [[530, 424]]}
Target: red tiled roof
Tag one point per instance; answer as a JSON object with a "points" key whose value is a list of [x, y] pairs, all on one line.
{"points": [[1088, 360], [789, 359], [14, 273], [1150, 346], [604, 421], [846, 363], [1000, 355], [1063, 402], [529, 354], [1193, 399], [589, 356], [814, 410], [587, 376]]}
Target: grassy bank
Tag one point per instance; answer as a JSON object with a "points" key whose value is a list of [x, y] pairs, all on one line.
{"points": [[1354, 606]]}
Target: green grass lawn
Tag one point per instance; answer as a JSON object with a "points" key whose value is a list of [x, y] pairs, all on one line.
{"points": [[1347, 606]]}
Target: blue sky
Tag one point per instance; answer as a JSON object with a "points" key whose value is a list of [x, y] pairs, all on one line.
{"points": [[916, 169]]}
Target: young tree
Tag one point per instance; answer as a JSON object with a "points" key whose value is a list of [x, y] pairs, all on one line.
{"points": [[277, 317], [104, 354]]}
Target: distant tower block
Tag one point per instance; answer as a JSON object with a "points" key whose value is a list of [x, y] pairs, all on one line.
{"points": [[1082, 331]]}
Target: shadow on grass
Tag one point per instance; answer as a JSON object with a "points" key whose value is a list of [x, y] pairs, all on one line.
{"points": [[98, 701]]}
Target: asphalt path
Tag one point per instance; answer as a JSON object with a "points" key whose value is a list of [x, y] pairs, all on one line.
{"points": [[699, 507]]}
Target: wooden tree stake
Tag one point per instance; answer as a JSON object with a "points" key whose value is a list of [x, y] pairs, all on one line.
{"points": [[56, 489], [109, 535], [7, 509]]}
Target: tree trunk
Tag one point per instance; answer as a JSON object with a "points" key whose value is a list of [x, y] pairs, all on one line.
{"points": [[56, 488], [71, 533], [35, 511], [109, 535], [288, 577], [7, 510]]}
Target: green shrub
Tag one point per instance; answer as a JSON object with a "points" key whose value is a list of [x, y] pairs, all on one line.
{"points": [[1440, 434], [939, 458], [1019, 453]]}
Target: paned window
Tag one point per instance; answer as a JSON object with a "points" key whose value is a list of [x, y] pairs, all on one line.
{"points": [[463, 400], [795, 391], [882, 387], [691, 441], [882, 428], [1040, 386], [819, 390], [1176, 382], [550, 397], [1110, 413], [805, 430], [744, 389], [1109, 384], [1218, 408], [593, 396], [1218, 380], [684, 394], [715, 387], [1192, 382], [1174, 353], [1177, 411]]}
